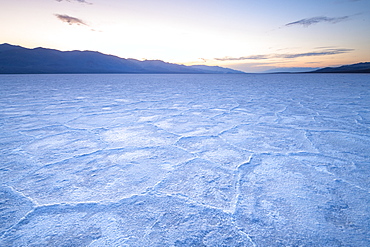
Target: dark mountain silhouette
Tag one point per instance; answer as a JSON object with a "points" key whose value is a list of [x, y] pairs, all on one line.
{"points": [[353, 68], [20, 60]]}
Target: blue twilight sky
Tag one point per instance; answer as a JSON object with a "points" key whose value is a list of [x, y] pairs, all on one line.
{"points": [[252, 36]]}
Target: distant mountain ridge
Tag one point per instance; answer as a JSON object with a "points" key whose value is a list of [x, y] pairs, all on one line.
{"points": [[20, 60], [353, 68]]}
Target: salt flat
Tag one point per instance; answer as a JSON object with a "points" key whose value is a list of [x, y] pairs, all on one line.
{"points": [[185, 160]]}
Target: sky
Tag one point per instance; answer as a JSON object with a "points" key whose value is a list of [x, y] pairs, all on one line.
{"points": [[248, 35]]}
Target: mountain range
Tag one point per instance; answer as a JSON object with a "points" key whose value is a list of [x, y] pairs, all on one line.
{"points": [[353, 68], [20, 60]]}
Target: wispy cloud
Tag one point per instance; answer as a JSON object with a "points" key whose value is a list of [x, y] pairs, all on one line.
{"points": [[80, 1], [319, 53], [325, 52], [70, 20], [314, 20], [254, 57]]}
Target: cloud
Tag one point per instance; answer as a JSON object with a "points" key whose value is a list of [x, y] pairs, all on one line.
{"points": [[312, 54], [325, 52], [314, 20], [254, 57], [70, 20], [80, 1]]}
